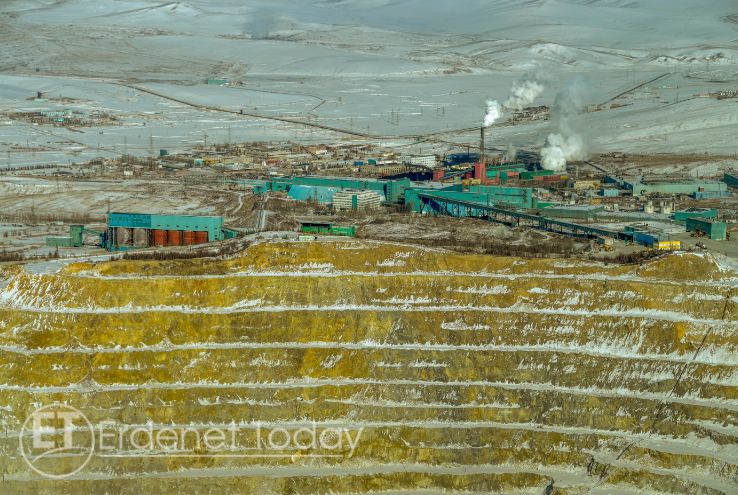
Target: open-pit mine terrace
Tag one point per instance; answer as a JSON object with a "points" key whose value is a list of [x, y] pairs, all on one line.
{"points": [[465, 373]]}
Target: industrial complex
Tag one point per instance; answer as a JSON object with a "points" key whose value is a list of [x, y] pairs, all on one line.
{"points": [[126, 231], [351, 247], [645, 211]]}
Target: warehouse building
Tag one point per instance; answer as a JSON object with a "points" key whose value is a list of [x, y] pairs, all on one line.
{"points": [[715, 230], [683, 215], [652, 238], [510, 197], [580, 212], [685, 187], [127, 231], [318, 194]]}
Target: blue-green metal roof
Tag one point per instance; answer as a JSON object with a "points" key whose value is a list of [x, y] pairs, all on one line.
{"points": [[212, 224]]}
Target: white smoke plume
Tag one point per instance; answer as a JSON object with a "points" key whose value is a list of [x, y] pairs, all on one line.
{"points": [[511, 153], [523, 93], [494, 112], [569, 142], [559, 150]]}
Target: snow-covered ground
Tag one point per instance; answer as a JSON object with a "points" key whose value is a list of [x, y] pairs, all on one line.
{"points": [[394, 70]]}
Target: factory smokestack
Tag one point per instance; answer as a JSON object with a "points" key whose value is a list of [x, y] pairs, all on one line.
{"points": [[481, 148]]}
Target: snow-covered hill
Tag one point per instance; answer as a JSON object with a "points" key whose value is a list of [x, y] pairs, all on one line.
{"points": [[430, 63]]}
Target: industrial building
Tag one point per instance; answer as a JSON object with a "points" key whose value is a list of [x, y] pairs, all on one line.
{"points": [[505, 197], [582, 185], [319, 194], [350, 199], [327, 228], [646, 236], [421, 160], [581, 212], [731, 179], [683, 215], [127, 231], [511, 197], [715, 230], [392, 191], [707, 188], [76, 237], [610, 192], [459, 158]]}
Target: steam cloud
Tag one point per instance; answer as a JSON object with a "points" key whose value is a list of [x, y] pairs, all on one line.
{"points": [[511, 153], [559, 150], [523, 93], [494, 112], [568, 143]]}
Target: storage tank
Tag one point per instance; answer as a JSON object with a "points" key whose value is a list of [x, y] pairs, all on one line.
{"points": [[174, 237], [201, 237], [124, 236], [188, 238], [159, 237], [140, 238]]}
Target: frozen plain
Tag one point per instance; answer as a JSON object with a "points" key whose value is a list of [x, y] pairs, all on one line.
{"points": [[408, 73]]}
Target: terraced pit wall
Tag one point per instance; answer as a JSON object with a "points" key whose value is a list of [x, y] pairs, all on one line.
{"points": [[462, 373]]}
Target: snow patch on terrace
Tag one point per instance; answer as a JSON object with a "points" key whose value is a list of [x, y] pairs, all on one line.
{"points": [[483, 290]]}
